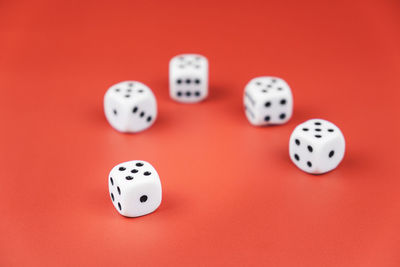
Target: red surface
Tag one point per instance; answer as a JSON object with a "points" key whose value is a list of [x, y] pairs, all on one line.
{"points": [[231, 194]]}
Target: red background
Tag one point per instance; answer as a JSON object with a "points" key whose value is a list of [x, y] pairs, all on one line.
{"points": [[231, 195]]}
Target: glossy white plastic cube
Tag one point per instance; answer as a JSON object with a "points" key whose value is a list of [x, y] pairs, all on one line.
{"points": [[130, 106], [135, 188], [268, 100], [188, 78], [316, 146]]}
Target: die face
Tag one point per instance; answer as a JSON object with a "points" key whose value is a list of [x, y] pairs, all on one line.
{"points": [[317, 146], [130, 106], [331, 154], [135, 188], [188, 78], [303, 153], [117, 115], [142, 114], [268, 100]]}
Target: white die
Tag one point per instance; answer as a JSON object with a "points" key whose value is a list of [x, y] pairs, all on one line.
{"points": [[130, 106], [268, 100], [316, 146], [135, 188], [188, 78]]}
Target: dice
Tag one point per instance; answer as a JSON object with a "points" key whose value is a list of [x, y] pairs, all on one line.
{"points": [[130, 106], [135, 188], [316, 146], [267, 100], [188, 78]]}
